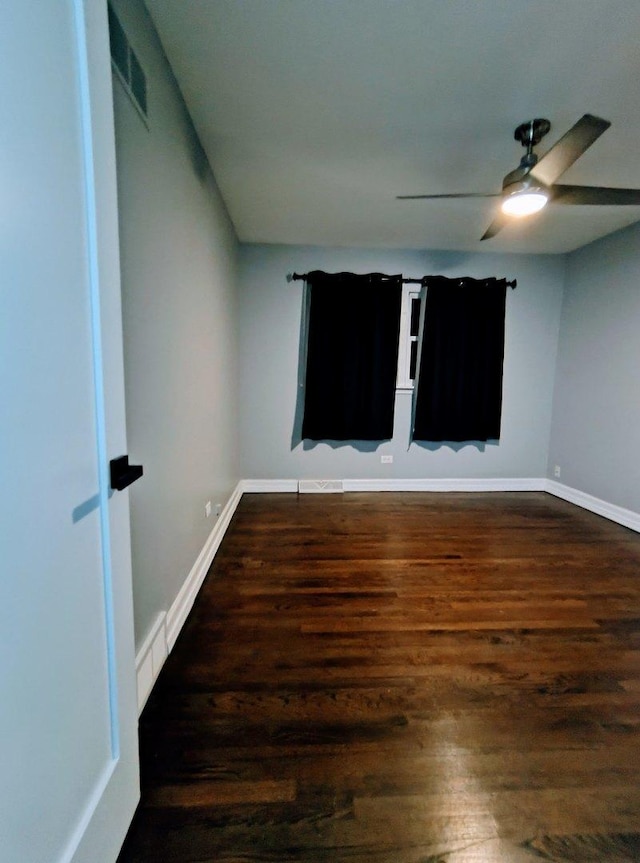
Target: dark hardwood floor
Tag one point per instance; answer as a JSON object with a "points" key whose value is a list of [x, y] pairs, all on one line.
{"points": [[402, 678]]}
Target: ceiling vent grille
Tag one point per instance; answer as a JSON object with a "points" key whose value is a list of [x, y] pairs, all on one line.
{"points": [[127, 65], [320, 486]]}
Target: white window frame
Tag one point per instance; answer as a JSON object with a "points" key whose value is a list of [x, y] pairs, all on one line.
{"points": [[409, 293]]}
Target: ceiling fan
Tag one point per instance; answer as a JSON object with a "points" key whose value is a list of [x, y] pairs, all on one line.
{"points": [[532, 185]]}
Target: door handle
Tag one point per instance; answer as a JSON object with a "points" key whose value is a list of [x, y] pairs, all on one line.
{"points": [[122, 473]]}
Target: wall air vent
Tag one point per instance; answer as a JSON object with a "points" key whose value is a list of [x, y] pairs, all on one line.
{"points": [[126, 65], [320, 486]]}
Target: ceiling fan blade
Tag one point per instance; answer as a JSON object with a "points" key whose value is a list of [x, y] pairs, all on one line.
{"points": [[497, 225], [598, 195], [455, 195], [569, 148]]}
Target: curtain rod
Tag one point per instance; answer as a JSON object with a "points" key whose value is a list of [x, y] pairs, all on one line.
{"points": [[300, 277]]}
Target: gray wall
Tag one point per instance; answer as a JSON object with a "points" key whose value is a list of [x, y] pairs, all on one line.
{"points": [[596, 418], [270, 313], [178, 252]]}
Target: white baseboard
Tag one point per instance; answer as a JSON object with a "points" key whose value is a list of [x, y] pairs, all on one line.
{"points": [[183, 602], [166, 628], [265, 486], [469, 484], [150, 659], [619, 514]]}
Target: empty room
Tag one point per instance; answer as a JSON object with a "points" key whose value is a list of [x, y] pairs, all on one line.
{"points": [[320, 366]]}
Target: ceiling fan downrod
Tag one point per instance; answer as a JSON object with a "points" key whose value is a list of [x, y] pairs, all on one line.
{"points": [[529, 134]]}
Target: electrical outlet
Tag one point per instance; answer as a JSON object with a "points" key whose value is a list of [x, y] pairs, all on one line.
{"points": [[218, 510], [556, 471], [386, 459], [207, 509]]}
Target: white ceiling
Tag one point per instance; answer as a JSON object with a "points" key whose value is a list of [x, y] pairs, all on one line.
{"points": [[315, 114]]}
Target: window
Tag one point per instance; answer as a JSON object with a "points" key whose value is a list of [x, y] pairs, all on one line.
{"points": [[372, 335], [409, 332]]}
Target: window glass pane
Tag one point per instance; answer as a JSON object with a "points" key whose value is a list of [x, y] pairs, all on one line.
{"points": [[413, 361], [415, 316]]}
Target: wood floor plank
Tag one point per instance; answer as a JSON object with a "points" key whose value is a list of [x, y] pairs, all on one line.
{"points": [[401, 678], [220, 793]]}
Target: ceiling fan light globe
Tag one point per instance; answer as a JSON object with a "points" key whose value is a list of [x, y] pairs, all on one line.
{"points": [[524, 203], [523, 197]]}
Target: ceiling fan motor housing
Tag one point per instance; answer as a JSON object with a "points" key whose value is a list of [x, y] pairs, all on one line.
{"points": [[531, 133]]}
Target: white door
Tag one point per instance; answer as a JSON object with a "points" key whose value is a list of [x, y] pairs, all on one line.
{"points": [[68, 747]]}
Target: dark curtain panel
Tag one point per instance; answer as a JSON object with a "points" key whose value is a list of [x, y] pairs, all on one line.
{"points": [[352, 356], [459, 390]]}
